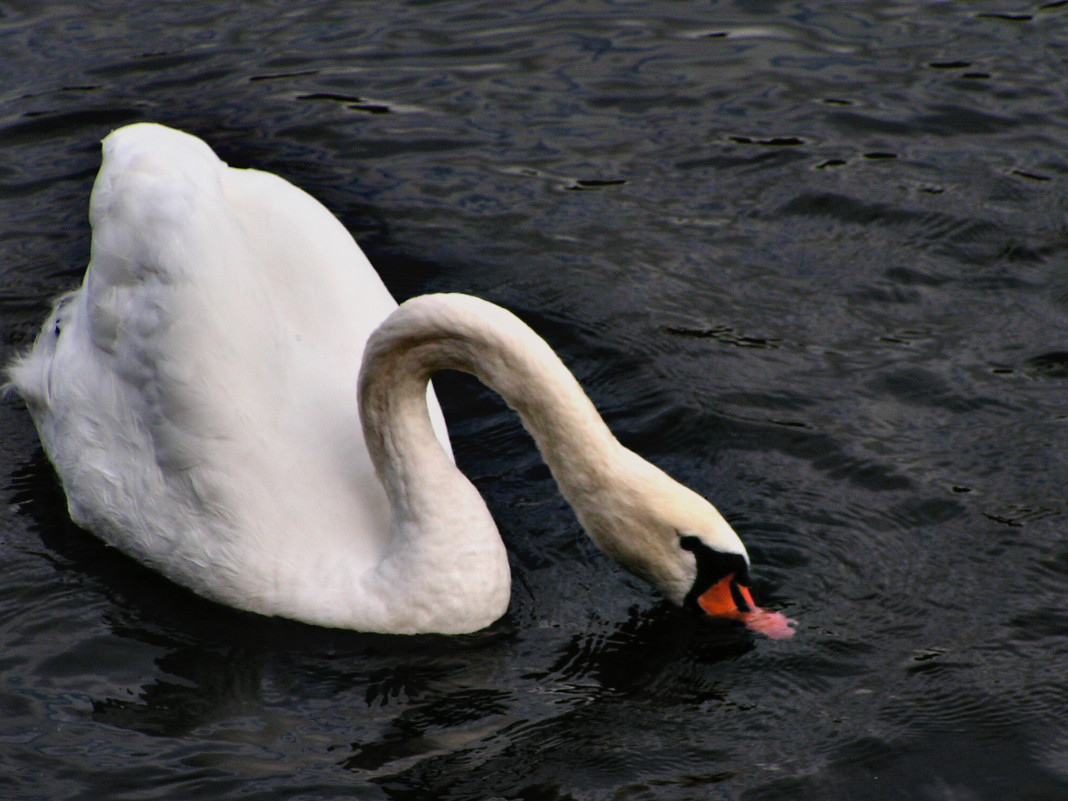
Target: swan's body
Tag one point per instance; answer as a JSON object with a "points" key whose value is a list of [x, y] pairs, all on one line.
{"points": [[197, 396]]}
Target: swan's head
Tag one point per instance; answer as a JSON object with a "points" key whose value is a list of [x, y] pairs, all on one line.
{"points": [[721, 588], [678, 542]]}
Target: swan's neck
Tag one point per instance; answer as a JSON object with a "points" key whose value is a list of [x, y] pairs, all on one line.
{"points": [[432, 333], [442, 531], [443, 537], [443, 540]]}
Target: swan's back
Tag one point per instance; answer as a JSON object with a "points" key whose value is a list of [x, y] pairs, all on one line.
{"points": [[198, 393]]}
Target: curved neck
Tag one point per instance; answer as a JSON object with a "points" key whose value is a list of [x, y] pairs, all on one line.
{"points": [[437, 332]]}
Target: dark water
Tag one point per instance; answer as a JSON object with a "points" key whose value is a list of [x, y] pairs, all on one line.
{"points": [[810, 260]]}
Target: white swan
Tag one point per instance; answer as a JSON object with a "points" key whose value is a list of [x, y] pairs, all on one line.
{"points": [[198, 398]]}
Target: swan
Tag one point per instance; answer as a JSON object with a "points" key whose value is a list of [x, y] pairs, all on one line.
{"points": [[233, 398]]}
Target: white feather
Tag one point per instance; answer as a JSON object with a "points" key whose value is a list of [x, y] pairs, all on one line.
{"points": [[198, 397]]}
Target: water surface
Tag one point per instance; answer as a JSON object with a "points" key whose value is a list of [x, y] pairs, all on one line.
{"points": [[810, 260]]}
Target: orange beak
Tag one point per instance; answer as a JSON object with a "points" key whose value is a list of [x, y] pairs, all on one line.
{"points": [[727, 598]]}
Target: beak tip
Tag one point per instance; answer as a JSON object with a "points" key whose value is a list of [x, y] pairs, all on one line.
{"points": [[773, 625]]}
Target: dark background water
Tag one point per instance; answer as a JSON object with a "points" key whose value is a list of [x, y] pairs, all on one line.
{"points": [[810, 258]]}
